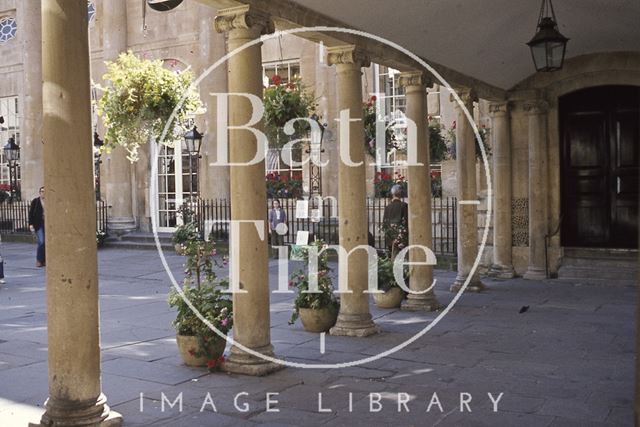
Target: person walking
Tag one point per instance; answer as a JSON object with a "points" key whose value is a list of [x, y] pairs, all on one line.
{"points": [[36, 225], [396, 221], [277, 216]]}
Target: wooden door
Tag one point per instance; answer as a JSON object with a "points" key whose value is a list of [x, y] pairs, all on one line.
{"points": [[600, 133]]}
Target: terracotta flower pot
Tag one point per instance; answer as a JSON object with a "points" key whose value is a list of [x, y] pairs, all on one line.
{"points": [[188, 346], [320, 320], [389, 299]]}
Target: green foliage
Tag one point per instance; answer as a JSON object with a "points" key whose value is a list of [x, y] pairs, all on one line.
{"points": [[484, 137], [369, 118], [185, 233], [202, 288], [283, 102], [437, 142], [140, 97], [101, 237], [386, 279], [317, 300]]}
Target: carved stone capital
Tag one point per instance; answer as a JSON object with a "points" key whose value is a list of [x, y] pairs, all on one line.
{"points": [[499, 109], [244, 18], [415, 78], [535, 106], [467, 95], [349, 54]]}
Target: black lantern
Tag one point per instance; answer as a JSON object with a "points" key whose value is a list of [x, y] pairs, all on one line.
{"points": [[548, 46], [193, 139], [97, 161], [12, 154]]}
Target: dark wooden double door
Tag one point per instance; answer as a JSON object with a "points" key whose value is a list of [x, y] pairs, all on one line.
{"points": [[600, 140]]}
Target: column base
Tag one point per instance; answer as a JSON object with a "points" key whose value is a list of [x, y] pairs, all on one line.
{"points": [[426, 302], [77, 414], [502, 271], [535, 273], [354, 325], [243, 363], [121, 225], [475, 285]]}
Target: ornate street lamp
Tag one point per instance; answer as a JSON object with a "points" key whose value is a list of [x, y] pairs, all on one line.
{"points": [[12, 154], [315, 149], [548, 46], [193, 141], [97, 161]]}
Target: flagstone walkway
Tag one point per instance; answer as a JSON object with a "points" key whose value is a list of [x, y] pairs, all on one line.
{"points": [[566, 361]]}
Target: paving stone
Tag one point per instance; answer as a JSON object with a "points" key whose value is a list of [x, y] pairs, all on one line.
{"points": [[568, 361], [148, 371]]}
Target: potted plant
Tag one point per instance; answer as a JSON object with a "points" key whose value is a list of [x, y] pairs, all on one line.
{"points": [[139, 100], [392, 294], [318, 311], [184, 234], [198, 344], [283, 102], [397, 238]]}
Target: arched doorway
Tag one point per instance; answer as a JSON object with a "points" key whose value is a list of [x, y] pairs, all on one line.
{"points": [[600, 145]]}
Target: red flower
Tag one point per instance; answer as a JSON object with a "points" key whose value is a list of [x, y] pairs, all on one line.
{"points": [[211, 364], [453, 125], [192, 352], [221, 360], [276, 80], [373, 98]]}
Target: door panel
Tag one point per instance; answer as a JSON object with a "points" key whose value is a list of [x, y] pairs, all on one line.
{"points": [[600, 146]]}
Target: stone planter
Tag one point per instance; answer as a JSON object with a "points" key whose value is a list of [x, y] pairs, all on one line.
{"points": [[318, 320], [390, 299], [188, 344]]}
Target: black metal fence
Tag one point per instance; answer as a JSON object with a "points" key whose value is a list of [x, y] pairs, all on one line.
{"points": [[14, 217], [322, 220]]}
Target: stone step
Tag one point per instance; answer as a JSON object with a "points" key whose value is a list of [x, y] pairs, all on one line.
{"points": [[146, 237], [611, 273], [124, 244], [602, 253]]}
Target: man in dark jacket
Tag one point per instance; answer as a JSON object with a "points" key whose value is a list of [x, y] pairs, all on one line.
{"points": [[396, 214], [36, 225]]}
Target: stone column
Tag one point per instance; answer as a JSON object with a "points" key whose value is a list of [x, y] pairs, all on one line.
{"points": [[29, 16], [537, 110], [502, 265], [248, 196], [419, 177], [214, 180], [354, 318], [467, 196], [75, 396], [117, 178]]}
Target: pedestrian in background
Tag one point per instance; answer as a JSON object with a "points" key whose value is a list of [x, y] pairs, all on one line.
{"points": [[36, 225]]}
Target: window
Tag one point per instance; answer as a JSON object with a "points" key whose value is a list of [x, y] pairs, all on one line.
{"points": [[91, 10], [8, 28], [11, 127], [287, 70]]}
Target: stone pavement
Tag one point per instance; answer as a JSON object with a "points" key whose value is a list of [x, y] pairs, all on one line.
{"points": [[567, 361]]}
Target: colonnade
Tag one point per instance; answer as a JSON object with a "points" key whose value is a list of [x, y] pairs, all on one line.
{"points": [[74, 353]]}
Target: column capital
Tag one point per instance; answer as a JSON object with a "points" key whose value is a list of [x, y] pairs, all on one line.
{"points": [[348, 54], [415, 78], [244, 18], [467, 96], [499, 109], [535, 106]]}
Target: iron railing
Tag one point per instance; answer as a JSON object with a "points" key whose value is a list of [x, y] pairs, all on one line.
{"points": [[212, 216], [14, 217]]}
